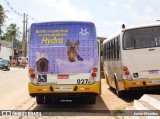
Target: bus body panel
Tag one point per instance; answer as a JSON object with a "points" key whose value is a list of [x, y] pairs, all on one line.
{"points": [[142, 62], [63, 58], [33, 89], [111, 69]]}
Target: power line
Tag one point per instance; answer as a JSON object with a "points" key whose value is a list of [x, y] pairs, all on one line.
{"points": [[16, 12], [13, 10]]}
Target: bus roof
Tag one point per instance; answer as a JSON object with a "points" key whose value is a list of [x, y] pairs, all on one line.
{"points": [[144, 25], [113, 36], [63, 22], [130, 28]]}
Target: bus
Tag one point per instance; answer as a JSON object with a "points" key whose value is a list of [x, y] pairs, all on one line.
{"points": [[131, 58], [63, 61]]}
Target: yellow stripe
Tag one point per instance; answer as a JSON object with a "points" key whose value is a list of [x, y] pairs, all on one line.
{"points": [[94, 88], [139, 83]]}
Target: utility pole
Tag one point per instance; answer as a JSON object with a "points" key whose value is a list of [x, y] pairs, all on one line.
{"points": [[23, 39], [0, 29], [26, 35], [12, 45]]}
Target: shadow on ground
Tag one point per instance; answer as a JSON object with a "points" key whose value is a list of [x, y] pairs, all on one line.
{"points": [[130, 96], [73, 107]]}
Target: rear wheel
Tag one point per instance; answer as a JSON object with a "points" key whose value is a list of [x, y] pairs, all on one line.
{"points": [[39, 99], [119, 93], [91, 99], [111, 88], [48, 99]]}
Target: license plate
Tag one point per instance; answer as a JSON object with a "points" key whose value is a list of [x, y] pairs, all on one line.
{"points": [[63, 88], [64, 76], [154, 82]]}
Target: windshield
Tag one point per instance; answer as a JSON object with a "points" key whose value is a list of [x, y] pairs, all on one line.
{"points": [[141, 38], [4, 61]]}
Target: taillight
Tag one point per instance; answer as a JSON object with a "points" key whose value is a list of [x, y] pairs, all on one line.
{"points": [[127, 73], [33, 76], [31, 70], [95, 69], [125, 68], [93, 74]]}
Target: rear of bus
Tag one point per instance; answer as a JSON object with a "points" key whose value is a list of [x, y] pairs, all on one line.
{"points": [[63, 61], [140, 57]]}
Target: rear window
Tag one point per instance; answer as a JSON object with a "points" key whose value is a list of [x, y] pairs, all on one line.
{"points": [[141, 38]]}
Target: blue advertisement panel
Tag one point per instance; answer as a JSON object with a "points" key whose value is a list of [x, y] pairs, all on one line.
{"points": [[63, 47]]}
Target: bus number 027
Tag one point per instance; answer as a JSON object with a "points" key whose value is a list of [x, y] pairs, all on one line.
{"points": [[82, 81]]}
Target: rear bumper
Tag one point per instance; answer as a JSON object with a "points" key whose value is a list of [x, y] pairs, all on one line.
{"points": [[74, 89], [142, 84]]}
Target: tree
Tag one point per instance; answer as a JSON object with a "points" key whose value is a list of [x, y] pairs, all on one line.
{"points": [[2, 17], [13, 33]]}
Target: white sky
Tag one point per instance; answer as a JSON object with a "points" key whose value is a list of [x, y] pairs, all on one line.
{"points": [[108, 15]]}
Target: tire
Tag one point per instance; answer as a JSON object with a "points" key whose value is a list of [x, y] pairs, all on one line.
{"points": [[48, 99], [119, 93], [39, 99], [92, 99], [111, 88], [8, 68]]}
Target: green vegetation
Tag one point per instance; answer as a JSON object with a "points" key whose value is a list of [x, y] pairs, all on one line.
{"points": [[12, 33], [2, 17]]}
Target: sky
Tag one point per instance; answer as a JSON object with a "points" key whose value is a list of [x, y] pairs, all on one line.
{"points": [[107, 15]]}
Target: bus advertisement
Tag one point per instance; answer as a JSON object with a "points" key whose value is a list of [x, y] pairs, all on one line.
{"points": [[63, 60]]}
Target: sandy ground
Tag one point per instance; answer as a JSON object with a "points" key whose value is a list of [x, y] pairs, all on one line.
{"points": [[14, 95]]}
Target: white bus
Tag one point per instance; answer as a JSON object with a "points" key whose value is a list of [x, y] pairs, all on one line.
{"points": [[131, 58], [63, 61]]}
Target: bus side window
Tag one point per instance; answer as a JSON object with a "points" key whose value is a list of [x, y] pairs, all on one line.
{"points": [[118, 48], [111, 50], [114, 51], [104, 52], [107, 50]]}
